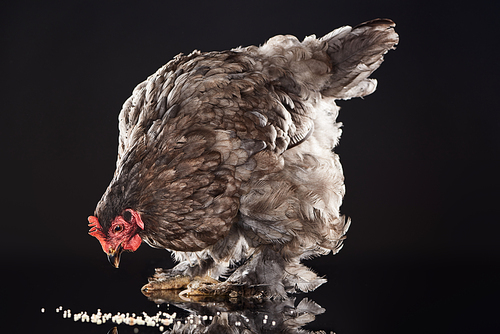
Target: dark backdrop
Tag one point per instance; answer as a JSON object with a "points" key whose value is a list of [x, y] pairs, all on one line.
{"points": [[420, 155]]}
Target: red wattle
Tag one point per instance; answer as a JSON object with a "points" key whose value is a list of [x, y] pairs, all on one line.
{"points": [[133, 243]]}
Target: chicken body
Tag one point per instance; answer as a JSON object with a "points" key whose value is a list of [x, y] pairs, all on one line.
{"points": [[227, 157]]}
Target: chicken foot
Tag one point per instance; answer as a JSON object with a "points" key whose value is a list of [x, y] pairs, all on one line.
{"points": [[257, 277], [186, 288], [204, 288], [167, 283]]}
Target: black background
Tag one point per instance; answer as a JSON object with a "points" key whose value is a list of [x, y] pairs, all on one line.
{"points": [[420, 155]]}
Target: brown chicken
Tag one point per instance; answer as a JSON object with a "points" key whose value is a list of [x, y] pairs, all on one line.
{"points": [[225, 159]]}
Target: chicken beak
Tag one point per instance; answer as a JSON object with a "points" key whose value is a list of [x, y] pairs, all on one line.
{"points": [[114, 256]]}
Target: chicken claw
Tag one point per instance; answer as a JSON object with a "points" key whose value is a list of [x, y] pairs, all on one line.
{"points": [[207, 286], [168, 283]]}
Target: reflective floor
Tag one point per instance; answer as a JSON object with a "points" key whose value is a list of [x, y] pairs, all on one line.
{"points": [[359, 298]]}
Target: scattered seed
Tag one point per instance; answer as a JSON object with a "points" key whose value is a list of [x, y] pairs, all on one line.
{"points": [[160, 320]]}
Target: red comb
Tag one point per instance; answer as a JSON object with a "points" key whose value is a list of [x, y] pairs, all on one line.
{"points": [[96, 231]]}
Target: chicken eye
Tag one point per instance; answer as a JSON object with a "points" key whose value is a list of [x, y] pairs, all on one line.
{"points": [[118, 228]]}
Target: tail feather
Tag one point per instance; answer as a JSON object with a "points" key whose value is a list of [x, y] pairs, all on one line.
{"points": [[355, 53]]}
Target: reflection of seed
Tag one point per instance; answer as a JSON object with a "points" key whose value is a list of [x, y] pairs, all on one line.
{"points": [[161, 318]]}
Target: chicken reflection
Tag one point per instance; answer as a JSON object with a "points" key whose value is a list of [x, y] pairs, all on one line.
{"points": [[235, 315]]}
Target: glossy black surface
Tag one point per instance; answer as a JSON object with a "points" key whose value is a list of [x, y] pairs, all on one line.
{"points": [[369, 298], [420, 158]]}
